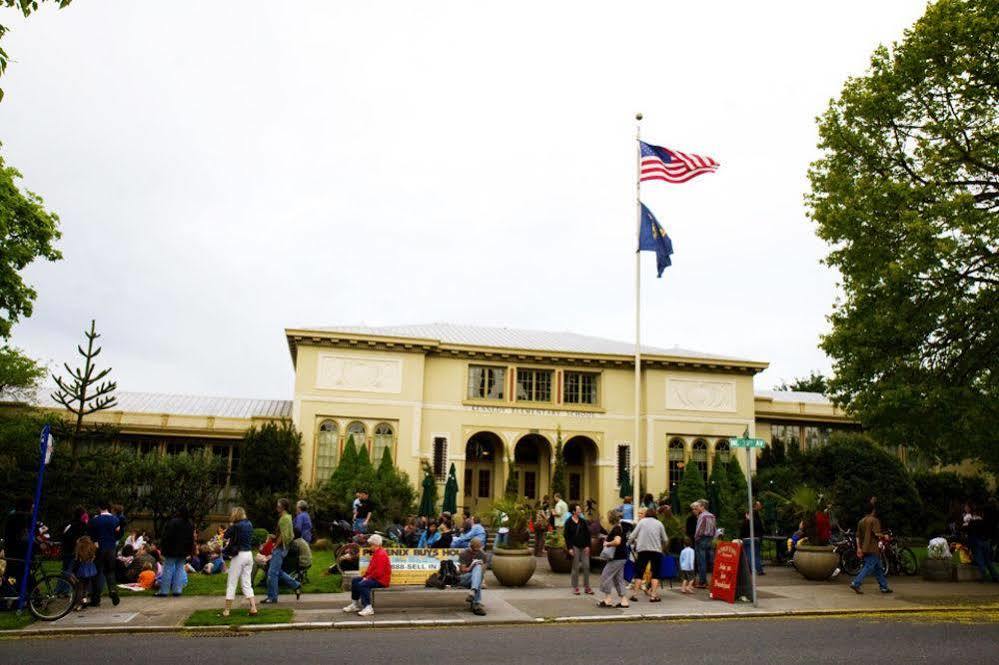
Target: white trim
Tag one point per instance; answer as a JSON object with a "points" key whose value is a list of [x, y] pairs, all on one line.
{"points": [[417, 426]]}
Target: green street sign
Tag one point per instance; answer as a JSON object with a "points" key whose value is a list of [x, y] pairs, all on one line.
{"points": [[741, 442]]}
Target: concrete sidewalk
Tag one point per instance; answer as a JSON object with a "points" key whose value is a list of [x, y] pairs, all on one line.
{"points": [[547, 598]]}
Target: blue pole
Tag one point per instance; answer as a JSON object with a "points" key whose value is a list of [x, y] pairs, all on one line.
{"points": [[42, 445]]}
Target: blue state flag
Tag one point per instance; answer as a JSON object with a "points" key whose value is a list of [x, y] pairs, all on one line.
{"points": [[652, 238]]}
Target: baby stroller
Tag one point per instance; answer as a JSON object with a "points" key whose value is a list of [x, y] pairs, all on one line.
{"points": [[298, 561]]}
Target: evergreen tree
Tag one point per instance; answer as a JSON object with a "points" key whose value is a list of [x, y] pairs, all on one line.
{"points": [[691, 486], [558, 474], [81, 394], [270, 463], [512, 488], [343, 482], [365, 473], [394, 493], [723, 503], [737, 485]]}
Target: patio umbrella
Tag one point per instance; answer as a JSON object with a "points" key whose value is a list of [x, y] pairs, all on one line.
{"points": [[625, 484], [674, 499], [429, 497], [451, 492]]}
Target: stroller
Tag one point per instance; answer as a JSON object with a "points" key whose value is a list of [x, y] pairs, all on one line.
{"points": [[298, 561]]}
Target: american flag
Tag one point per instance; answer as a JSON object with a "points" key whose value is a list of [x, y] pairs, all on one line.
{"points": [[660, 163]]}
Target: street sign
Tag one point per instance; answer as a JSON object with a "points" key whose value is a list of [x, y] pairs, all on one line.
{"points": [[741, 442]]}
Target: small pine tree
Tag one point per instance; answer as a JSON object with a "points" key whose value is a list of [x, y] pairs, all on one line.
{"points": [[365, 474], [393, 490], [343, 483], [512, 488], [558, 473], [726, 510], [691, 486], [737, 485]]}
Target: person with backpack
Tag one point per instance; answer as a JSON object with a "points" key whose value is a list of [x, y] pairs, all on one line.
{"points": [[471, 568]]}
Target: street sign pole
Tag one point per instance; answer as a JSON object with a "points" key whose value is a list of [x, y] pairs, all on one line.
{"points": [[752, 531], [44, 455]]}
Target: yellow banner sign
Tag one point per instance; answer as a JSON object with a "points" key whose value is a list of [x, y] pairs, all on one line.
{"points": [[411, 566]]}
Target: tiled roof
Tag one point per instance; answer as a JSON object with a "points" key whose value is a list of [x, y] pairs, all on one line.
{"points": [[193, 405], [794, 396], [514, 338]]}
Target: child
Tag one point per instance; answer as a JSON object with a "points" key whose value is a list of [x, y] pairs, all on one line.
{"points": [[687, 567], [147, 576], [84, 570]]}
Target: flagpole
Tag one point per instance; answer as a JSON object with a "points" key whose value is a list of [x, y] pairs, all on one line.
{"points": [[636, 481]]}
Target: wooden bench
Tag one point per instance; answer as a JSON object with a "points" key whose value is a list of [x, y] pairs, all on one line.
{"points": [[410, 569]]}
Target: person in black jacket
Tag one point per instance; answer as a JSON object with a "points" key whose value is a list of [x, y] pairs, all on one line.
{"points": [[577, 540], [71, 533], [176, 545]]}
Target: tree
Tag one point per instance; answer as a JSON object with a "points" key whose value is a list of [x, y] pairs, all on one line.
{"points": [[392, 490], [27, 232], [737, 485], [558, 473], [512, 488], [691, 486], [907, 194], [173, 482], [20, 376], [269, 468], [83, 395], [815, 382], [26, 7], [722, 502]]}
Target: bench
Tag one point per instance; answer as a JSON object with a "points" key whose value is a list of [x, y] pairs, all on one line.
{"points": [[410, 569]]}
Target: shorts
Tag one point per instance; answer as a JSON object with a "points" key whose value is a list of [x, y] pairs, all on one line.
{"points": [[686, 576], [645, 559]]}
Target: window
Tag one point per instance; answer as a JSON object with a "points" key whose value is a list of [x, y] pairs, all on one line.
{"points": [[486, 382], [327, 451], [788, 436], [534, 385], [580, 388], [484, 476], [440, 462], [530, 485], [383, 441], [623, 462], [359, 432], [468, 482], [700, 457], [723, 451], [816, 436], [575, 487], [676, 459]]}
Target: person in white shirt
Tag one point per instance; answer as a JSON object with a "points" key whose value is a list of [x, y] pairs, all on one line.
{"points": [[687, 567], [560, 512]]}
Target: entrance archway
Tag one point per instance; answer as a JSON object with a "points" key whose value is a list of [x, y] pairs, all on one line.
{"points": [[483, 470], [531, 464], [580, 455]]}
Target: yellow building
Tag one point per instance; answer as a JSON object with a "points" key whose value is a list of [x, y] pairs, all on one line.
{"points": [[481, 398]]}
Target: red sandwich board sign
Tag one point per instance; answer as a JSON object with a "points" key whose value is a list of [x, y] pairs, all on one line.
{"points": [[725, 577]]}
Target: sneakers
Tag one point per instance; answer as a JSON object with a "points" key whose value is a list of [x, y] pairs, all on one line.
{"points": [[470, 598], [115, 599], [353, 607], [856, 589], [366, 612], [835, 573], [886, 590], [478, 610]]}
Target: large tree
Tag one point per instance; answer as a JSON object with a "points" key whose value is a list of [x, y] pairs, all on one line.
{"points": [[907, 194], [20, 376], [815, 382], [26, 7]]}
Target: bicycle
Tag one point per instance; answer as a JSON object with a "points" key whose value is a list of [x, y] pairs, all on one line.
{"points": [[51, 596], [896, 559], [846, 548]]}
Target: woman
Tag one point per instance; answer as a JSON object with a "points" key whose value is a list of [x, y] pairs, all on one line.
{"points": [[73, 531], [577, 540], [649, 502], [650, 541], [239, 535], [612, 577], [430, 536]]}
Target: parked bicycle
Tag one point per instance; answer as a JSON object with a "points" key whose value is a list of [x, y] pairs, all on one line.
{"points": [[849, 562], [895, 558], [51, 595]]}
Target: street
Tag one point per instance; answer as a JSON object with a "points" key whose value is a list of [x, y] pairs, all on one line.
{"points": [[965, 638]]}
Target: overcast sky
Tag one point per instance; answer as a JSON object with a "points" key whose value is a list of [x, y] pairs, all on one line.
{"points": [[224, 170]]}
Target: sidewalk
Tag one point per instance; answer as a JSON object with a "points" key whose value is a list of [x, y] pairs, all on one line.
{"points": [[547, 598]]}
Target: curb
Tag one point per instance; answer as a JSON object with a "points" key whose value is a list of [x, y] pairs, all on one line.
{"points": [[431, 623]]}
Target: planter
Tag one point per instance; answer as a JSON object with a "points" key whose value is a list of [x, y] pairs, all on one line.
{"points": [[559, 560], [965, 572], [816, 562], [513, 567], [938, 570]]}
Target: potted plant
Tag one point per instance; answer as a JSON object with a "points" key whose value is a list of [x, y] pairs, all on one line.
{"points": [[559, 558], [939, 563], [814, 557], [513, 562]]}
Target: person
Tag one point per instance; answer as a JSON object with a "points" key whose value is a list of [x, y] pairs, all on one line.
{"points": [[429, 537], [612, 576], [546, 510], [560, 513], [650, 541], [302, 523], [16, 537], [627, 510], [757, 539], [176, 545], [649, 502], [471, 567], [868, 533], [410, 535], [75, 529], [135, 539], [446, 536], [143, 560], [84, 570], [363, 512], [577, 540], [476, 531], [704, 536], [540, 525], [377, 576], [687, 567], [979, 531], [240, 536], [263, 556], [214, 563], [104, 531], [466, 520], [285, 534]]}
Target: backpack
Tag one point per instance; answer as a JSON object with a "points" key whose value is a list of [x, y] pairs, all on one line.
{"points": [[447, 575]]}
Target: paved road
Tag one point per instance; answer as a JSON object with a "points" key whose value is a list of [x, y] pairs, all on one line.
{"points": [[938, 639]]}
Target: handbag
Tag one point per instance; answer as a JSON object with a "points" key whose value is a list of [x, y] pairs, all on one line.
{"points": [[607, 553]]}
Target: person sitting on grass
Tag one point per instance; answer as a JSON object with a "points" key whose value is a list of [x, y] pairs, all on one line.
{"points": [[471, 566], [377, 576], [476, 531]]}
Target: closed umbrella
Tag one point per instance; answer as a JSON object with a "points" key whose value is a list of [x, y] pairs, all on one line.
{"points": [[674, 499], [451, 492], [625, 484], [429, 498]]}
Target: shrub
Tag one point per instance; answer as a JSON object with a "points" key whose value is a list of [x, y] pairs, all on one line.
{"points": [[720, 495], [172, 482], [943, 496], [392, 491], [269, 468], [558, 473], [691, 486], [258, 537]]}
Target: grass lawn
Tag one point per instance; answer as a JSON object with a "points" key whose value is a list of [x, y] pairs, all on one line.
{"points": [[11, 620], [238, 617]]}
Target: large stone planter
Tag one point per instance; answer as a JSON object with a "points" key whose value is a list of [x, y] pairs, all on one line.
{"points": [[559, 560], [513, 567], [816, 562], [938, 570]]}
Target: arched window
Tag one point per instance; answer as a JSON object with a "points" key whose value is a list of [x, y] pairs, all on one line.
{"points": [[677, 455], [723, 451], [327, 451], [700, 457], [359, 432], [383, 441]]}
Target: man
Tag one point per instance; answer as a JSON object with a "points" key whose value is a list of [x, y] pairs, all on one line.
{"points": [[577, 539], [16, 538], [302, 524], [704, 537], [104, 531], [410, 536], [176, 545], [979, 529], [377, 576], [362, 517], [561, 511], [477, 531], [868, 532], [758, 534], [275, 574], [471, 566]]}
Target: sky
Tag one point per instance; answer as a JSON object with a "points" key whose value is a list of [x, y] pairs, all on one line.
{"points": [[226, 170]]}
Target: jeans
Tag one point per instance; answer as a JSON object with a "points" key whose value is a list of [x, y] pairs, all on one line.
{"points": [[173, 578], [872, 564], [581, 560], [757, 551], [705, 551], [981, 554], [360, 526], [360, 590], [612, 578], [275, 575], [105, 575], [473, 580]]}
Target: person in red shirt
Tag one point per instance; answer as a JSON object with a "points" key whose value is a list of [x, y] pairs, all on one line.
{"points": [[378, 576]]}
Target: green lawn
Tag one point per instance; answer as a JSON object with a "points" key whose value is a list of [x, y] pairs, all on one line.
{"points": [[238, 617], [11, 620]]}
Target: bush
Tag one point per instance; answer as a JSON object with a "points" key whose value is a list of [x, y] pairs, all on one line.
{"points": [[258, 537], [943, 496], [720, 494], [269, 468], [691, 486], [392, 492], [173, 482]]}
